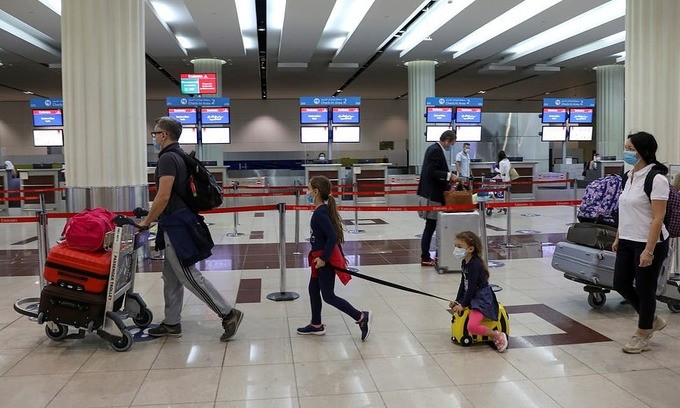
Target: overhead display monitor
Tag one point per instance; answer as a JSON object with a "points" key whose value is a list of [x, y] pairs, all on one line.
{"points": [[581, 115], [193, 84], [468, 115], [432, 133], [215, 135], [468, 133], [314, 134], [439, 115], [554, 115], [580, 133], [189, 135], [554, 134], [185, 116], [346, 134], [345, 115], [215, 116], [47, 117], [313, 115], [48, 137]]}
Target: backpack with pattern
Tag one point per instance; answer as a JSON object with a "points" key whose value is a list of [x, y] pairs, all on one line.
{"points": [[600, 201]]}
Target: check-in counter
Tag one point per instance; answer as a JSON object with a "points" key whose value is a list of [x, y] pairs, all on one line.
{"points": [[219, 172], [607, 167], [402, 182], [40, 179], [330, 171], [371, 177], [525, 169]]}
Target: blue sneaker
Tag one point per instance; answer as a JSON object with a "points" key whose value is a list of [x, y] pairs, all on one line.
{"points": [[311, 329], [363, 324]]}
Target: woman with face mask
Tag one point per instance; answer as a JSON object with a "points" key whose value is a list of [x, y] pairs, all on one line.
{"points": [[641, 243], [474, 292]]}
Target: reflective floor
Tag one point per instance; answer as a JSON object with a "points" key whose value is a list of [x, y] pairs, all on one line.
{"points": [[562, 352]]}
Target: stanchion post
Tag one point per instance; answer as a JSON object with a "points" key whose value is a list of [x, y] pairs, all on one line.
{"points": [[235, 232], [297, 219], [509, 222], [43, 239], [282, 294], [355, 200], [482, 229], [573, 187]]}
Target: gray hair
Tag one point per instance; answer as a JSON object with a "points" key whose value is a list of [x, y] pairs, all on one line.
{"points": [[171, 125]]}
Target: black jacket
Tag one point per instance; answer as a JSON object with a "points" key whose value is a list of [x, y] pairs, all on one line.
{"points": [[433, 181]]}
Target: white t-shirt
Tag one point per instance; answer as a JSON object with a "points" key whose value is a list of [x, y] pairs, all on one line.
{"points": [[464, 160], [635, 210], [504, 168]]}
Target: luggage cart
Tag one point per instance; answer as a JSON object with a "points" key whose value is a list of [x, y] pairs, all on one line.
{"points": [[121, 302], [491, 183]]}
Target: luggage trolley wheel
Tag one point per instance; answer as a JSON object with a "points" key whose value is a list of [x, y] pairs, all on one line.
{"points": [[124, 343], [58, 335], [674, 307], [489, 211], [597, 299], [144, 318]]}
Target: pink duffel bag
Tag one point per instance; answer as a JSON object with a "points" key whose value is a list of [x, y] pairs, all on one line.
{"points": [[86, 230]]}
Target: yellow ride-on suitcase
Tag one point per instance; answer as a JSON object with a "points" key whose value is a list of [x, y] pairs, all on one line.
{"points": [[460, 334]]}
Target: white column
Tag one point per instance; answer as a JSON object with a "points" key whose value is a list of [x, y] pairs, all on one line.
{"points": [[610, 110], [104, 90], [420, 86], [653, 73], [211, 65]]}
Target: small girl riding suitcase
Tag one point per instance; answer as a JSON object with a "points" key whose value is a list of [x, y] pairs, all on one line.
{"points": [[78, 270], [460, 334]]}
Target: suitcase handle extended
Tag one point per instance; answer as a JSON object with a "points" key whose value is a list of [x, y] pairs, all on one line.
{"points": [[599, 256]]}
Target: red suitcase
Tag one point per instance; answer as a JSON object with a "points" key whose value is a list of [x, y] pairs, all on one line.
{"points": [[78, 270]]}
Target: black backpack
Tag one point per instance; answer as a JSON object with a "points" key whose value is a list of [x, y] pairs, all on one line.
{"points": [[202, 190]]}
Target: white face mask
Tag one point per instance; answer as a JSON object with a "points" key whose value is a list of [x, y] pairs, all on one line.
{"points": [[459, 253]]}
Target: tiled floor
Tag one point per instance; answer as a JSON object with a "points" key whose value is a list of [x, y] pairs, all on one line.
{"points": [[562, 354]]}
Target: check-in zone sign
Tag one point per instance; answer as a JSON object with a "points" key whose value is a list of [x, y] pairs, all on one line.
{"points": [[142, 335], [198, 83]]}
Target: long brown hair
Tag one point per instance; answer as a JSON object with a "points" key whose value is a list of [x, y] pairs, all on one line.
{"points": [[323, 185], [471, 239]]}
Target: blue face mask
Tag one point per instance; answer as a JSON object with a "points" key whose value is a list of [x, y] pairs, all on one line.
{"points": [[630, 158], [448, 148], [155, 144], [310, 198]]}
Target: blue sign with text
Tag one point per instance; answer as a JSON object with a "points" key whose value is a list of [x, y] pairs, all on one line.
{"points": [[568, 103], [215, 116], [314, 115], [185, 116], [330, 101], [468, 115], [579, 115], [181, 101], [345, 115], [46, 103], [453, 101]]}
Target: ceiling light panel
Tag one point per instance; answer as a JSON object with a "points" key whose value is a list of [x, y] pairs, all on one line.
{"points": [[54, 5], [511, 18], [303, 29], [177, 19], [27, 33], [343, 21], [428, 23], [247, 21], [614, 39], [219, 27], [596, 17]]}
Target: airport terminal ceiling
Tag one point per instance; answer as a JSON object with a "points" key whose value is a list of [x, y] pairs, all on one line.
{"points": [[317, 47]]}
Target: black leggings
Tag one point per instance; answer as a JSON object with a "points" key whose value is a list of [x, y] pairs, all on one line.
{"points": [[641, 295], [430, 227], [323, 285]]}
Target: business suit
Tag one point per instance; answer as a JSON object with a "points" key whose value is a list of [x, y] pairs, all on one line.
{"points": [[434, 180]]}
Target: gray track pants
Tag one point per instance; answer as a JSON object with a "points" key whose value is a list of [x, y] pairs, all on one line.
{"points": [[176, 277]]}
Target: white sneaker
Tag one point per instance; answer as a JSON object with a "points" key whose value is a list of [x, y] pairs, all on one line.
{"points": [[636, 345], [659, 323]]}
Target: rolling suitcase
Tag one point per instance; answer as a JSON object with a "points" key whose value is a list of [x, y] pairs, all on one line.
{"points": [[75, 308], [592, 235], [460, 334], [78, 270], [448, 225], [584, 264]]}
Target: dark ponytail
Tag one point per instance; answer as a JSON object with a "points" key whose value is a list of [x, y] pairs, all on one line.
{"points": [[646, 146], [323, 185]]}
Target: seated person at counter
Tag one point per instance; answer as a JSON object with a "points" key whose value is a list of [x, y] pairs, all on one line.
{"points": [[321, 157]]}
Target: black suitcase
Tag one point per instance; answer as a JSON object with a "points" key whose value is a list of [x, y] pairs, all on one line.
{"points": [[597, 236], [74, 308]]}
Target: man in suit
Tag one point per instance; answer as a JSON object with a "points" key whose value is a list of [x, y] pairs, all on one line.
{"points": [[434, 180]]}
